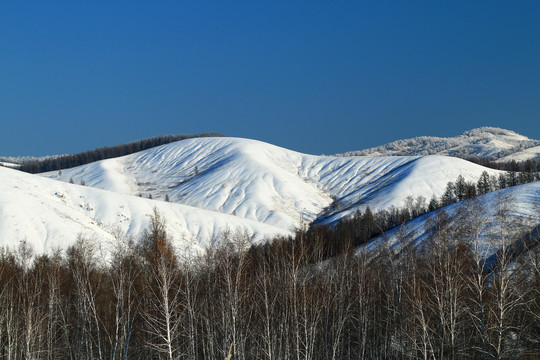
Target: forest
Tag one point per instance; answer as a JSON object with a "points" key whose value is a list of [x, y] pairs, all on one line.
{"points": [[288, 298], [365, 225]]}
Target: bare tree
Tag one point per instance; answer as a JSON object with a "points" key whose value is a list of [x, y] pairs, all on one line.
{"points": [[505, 281], [31, 315], [52, 269], [86, 341], [444, 261], [162, 311], [124, 273]]}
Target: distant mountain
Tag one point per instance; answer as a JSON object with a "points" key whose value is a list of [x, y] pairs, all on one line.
{"points": [[490, 143], [9, 164], [17, 161]]}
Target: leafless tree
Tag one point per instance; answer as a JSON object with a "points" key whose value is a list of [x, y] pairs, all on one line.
{"points": [[161, 313], [85, 327], [124, 272]]}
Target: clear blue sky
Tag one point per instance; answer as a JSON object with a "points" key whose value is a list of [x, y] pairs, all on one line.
{"points": [[312, 76]]}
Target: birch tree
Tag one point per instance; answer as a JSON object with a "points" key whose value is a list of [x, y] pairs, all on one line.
{"points": [[162, 310]]}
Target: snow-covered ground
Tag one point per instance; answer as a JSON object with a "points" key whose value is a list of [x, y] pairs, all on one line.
{"points": [[522, 155], [50, 214], [522, 204]]}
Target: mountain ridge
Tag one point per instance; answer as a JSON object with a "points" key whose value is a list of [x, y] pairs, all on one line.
{"points": [[268, 184], [490, 143], [208, 186]]}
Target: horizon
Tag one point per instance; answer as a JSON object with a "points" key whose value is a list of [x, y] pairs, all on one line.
{"points": [[226, 136]]}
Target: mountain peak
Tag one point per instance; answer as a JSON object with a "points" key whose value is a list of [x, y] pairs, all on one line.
{"points": [[489, 131]]}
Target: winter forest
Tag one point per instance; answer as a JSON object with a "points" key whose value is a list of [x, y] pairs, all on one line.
{"points": [[286, 299]]}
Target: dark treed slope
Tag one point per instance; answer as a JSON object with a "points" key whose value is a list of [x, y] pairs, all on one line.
{"points": [[529, 165], [279, 300], [365, 226], [107, 152]]}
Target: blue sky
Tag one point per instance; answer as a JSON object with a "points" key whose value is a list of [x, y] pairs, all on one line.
{"points": [[316, 77]]}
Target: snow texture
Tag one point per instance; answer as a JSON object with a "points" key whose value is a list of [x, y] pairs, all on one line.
{"points": [[50, 214]]}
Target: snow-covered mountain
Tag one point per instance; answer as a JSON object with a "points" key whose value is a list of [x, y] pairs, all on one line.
{"points": [[16, 161], [51, 214], [486, 142], [212, 185], [267, 184]]}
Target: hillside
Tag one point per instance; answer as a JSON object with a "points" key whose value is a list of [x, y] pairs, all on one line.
{"points": [[59, 162], [484, 216], [487, 142], [50, 214], [204, 186], [269, 184]]}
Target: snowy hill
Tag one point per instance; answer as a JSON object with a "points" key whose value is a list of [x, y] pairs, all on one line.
{"points": [[487, 142], [50, 214], [520, 204], [268, 184]]}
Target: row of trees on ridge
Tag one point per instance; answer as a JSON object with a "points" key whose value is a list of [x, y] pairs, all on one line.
{"points": [[107, 152]]}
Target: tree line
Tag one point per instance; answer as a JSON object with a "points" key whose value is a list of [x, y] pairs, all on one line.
{"points": [[285, 299], [462, 190], [365, 225], [107, 152], [527, 166]]}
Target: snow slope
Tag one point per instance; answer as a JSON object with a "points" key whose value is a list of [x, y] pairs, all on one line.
{"points": [[487, 142], [268, 184], [523, 208], [50, 214]]}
